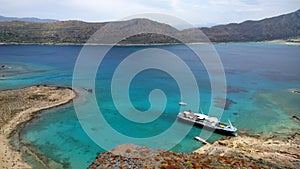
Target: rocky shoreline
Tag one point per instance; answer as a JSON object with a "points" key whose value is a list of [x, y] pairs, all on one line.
{"points": [[20, 106], [245, 151], [273, 150]]}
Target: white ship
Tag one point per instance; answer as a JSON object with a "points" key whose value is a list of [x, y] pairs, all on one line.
{"points": [[207, 122]]}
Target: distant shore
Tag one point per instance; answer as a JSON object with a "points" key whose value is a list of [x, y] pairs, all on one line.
{"points": [[19, 106], [286, 42], [278, 41]]}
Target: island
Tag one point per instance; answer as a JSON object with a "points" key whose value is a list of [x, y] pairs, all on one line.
{"points": [[19, 106]]}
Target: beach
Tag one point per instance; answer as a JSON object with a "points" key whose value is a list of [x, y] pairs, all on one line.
{"points": [[293, 41], [19, 106]]}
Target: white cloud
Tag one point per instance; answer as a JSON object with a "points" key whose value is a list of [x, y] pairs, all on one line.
{"points": [[199, 12]]}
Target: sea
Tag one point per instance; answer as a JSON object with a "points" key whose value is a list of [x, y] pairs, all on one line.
{"points": [[140, 104]]}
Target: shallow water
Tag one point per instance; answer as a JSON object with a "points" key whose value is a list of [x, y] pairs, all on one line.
{"points": [[258, 77]]}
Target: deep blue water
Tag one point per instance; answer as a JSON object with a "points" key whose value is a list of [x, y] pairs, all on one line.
{"points": [[258, 77]]}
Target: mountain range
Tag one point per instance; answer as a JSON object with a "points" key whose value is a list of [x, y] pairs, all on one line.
{"points": [[50, 31], [26, 19]]}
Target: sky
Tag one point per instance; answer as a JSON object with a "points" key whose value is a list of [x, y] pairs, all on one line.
{"points": [[195, 12]]}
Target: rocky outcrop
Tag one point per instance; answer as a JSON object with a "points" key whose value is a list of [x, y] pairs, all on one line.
{"points": [[234, 152], [277, 152]]}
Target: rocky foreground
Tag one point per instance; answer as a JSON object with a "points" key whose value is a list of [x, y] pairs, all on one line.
{"points": [[278, 152], [235, 152], [19, 106]]}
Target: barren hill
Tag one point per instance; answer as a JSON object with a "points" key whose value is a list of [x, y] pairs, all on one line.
{"points": [[280, 27]]}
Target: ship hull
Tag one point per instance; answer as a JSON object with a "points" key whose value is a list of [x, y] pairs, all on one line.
{"points": [[208, 127]]}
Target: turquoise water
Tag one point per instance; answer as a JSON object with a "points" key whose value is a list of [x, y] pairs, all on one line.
{"points": [[258, 75]]}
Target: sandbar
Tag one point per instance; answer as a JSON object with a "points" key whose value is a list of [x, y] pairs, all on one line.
{"points": [[19, 106]]}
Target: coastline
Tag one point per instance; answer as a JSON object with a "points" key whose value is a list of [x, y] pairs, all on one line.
{"points": [[273, 151], [285, 42], [56, 96], [276, 41], [292, 92], [244, 151]]}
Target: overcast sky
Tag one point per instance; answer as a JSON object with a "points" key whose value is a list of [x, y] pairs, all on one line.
{"points": [[196, 12]]}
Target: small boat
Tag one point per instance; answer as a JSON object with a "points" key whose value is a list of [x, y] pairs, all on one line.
{"points": [[200, 140], [88, 89], [207, 122], [182, 103]]}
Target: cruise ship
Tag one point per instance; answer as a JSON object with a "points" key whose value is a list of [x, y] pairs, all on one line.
{"points": [[207, 122]]}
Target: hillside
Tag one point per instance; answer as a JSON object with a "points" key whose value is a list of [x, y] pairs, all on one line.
{"points": [[50, 32], [244, 151], [280, 27], [132, 156]]}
